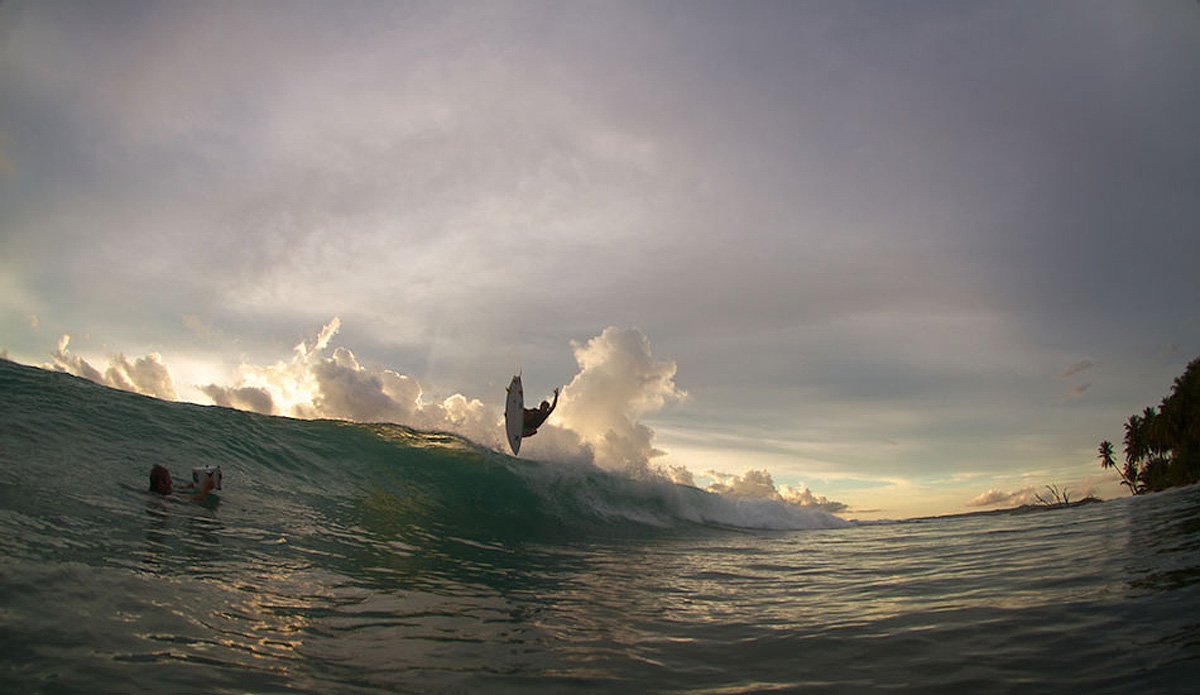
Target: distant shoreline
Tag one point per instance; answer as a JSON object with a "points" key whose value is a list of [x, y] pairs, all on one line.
{"points": [[1023, 509]]}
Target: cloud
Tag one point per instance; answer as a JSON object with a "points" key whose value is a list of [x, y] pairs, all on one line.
{"points": [[1076, 368], [201, 329], [993, 497], [145, 375], [618, 383], [252, 398], [1075, 392], [758, 485], [598, 419], [316, 385], [754, 484]]}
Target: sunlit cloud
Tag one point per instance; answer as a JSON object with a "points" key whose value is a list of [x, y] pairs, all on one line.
{"points": [[995, 497], [252, 398], [758, 485], [619, 382], [598, 419], [146, 375]]}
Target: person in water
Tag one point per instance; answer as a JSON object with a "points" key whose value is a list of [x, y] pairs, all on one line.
{"points": [[534, 417], [160, 482]]}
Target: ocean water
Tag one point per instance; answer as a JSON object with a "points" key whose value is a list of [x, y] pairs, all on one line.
{"points": [[348, 558]]}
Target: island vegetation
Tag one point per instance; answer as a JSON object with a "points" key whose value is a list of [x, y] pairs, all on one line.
{"points": [[1162, 445], [1057, 498]]}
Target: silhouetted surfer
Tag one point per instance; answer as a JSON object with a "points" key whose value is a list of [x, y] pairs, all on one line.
{"points": [[535, 417]]}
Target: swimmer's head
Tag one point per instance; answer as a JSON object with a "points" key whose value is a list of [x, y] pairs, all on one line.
{"points": [[160, 480]]}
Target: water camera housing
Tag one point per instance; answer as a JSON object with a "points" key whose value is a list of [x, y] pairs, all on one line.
{"points": [[203, 473]]}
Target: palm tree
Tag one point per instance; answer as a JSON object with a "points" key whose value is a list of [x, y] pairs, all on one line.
{"points": [[1156, 436], [1135, 439], [1162, 446], [1129, 478]]}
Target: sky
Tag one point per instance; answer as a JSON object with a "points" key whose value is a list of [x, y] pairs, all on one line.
{"points": [[897, 258]]}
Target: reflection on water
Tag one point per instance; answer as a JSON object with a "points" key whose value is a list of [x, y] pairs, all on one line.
{"points": [[366, 597], [181, 535], [1164, 542], [351, 594]]}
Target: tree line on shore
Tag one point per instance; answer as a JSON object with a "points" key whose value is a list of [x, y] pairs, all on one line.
{"points": [[1162, 445]]}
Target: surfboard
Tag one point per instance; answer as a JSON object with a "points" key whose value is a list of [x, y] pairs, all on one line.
{"points": [[514, 414]]}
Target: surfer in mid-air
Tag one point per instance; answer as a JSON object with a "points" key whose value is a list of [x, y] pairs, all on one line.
{"points": [[520, 421], [534, 417]]}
